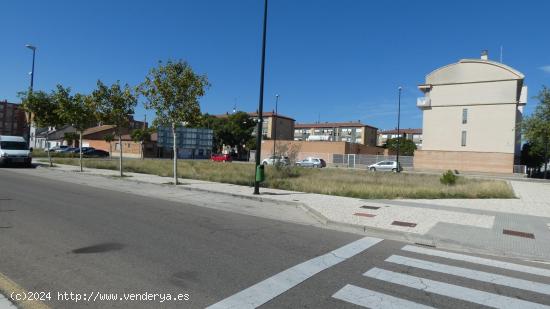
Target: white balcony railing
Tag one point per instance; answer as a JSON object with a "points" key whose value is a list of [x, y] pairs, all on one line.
{"points": [[423, 102]]}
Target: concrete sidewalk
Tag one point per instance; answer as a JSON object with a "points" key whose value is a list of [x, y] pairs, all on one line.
{"points": [[506, 227]]}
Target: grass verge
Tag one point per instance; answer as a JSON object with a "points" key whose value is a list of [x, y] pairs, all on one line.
{"points": [[340, 182]]}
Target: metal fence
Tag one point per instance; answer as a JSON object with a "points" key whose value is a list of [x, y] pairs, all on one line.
{"points": [[361, 161]]}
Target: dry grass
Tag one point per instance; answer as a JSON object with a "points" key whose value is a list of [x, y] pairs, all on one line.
{"points": [[351, 183]]}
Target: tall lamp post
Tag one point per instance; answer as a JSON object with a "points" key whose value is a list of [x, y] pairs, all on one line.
{"points": [[276, 118], [29, 120], [260, 105], [398, 124]]}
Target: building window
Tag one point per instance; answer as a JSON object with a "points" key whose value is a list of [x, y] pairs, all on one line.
{"points": [[464, 116], [463, 138]]}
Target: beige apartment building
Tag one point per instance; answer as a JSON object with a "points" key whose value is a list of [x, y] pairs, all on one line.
{"points": [[414, 135], [352, 132], [275, 125], [471, 111]]}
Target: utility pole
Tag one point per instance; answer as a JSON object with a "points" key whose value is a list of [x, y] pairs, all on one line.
{"points": [[276, 118], [30, 116], [398, 124], [260, 105]]}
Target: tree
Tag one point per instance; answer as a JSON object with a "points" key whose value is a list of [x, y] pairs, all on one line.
{"points": [[406, 146], [536, 128], [109, 138], [44, 111], [234, 130], [77, 110], [114, 105], [532, 156], [173, 91], [70, 137], [140, 136]]}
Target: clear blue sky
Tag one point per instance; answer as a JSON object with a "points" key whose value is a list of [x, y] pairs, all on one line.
{"points": [[341, 59]]}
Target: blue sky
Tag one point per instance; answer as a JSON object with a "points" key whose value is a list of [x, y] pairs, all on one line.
{"points": [[342, 60]]}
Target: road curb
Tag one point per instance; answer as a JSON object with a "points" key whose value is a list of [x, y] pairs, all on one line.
{"points": [[7, 287]]}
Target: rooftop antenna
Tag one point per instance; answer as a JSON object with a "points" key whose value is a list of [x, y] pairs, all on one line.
{"points": [[234, 105], [501, 48], [319, 118]]}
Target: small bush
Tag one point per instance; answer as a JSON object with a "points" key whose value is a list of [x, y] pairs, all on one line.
{"points": [[448, 178]]}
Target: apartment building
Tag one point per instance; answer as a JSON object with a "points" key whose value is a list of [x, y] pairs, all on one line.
{"points": [[414, 135], [275, 125], [353, 132], [12, 119], [471, 112]]}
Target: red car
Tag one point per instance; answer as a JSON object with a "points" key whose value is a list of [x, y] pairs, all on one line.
{"points": [[221, 157]]}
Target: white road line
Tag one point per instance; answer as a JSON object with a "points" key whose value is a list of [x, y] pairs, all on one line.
{"points": [[272, 287], [454, 291], [472, 274], [374, 300], [478, 260]]}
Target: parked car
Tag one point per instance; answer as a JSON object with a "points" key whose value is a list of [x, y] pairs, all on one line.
{"points": [[57, 148], [14, 150], [67, 150], [96, 153], [84, 149], [276, 160], [311, 162], [385, 166], [221, 157]]}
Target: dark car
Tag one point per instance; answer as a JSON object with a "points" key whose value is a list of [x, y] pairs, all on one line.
{"points": [[84, 149], [96, 153]]}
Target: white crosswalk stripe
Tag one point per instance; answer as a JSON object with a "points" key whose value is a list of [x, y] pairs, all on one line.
{"points": [[450, 290], [374, 300], [478, 260], [472, 274]]}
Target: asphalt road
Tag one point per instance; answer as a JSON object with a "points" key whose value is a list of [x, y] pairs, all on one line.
{"points": [[59, 236]]}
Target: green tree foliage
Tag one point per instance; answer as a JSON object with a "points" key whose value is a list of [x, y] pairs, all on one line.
{"points": [[114, 105], [109, 138], [140, 136], [406, 146], [536, 128], [173, 90], [43, 110], [76, 110], [448, 178]]}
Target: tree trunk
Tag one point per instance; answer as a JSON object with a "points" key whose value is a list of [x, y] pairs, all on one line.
{"points": [[110, 150], [175, 148], [48, 150], [141, 149], [120, 159], [80, 143]]}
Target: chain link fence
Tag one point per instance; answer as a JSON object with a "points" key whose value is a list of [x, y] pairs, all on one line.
{"points": [[361, 161]]}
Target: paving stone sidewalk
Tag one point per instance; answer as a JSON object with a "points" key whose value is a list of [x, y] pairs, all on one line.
{"points": [[508, 227]]}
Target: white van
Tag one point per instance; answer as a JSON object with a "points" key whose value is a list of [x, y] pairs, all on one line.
{"points": [[14, 149]]}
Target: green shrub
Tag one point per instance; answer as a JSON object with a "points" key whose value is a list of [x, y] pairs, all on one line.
{"points": [[448, 178]]}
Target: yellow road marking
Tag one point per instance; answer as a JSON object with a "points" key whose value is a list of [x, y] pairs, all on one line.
{"points": [[7, 286]]}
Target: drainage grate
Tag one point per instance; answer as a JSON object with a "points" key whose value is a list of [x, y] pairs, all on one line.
{"points": [[362, 214], [401, 223], [519, 234], [370, 207]]}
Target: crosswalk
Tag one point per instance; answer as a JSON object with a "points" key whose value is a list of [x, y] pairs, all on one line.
{"points": [[365, 297]]}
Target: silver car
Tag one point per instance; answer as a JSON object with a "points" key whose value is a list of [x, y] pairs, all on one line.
{"points": [[385, 166], [276, 160], [310, 162]]}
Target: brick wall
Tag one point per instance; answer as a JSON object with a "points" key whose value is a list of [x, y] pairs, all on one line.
{"points": [[487, 162]]}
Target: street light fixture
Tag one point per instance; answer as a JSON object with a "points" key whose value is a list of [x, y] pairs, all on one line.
{"points": [[398, 124], [260, 106]]}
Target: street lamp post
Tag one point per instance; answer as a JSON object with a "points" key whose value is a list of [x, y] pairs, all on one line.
{"points": [[276, 118], [260, 105], [398, 125], [29, 120]]}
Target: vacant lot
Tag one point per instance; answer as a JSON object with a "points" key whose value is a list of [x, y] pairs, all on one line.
{"points": [[352, 183]]}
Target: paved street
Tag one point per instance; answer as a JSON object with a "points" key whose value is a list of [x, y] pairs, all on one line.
{"points": [[63, 236]]}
